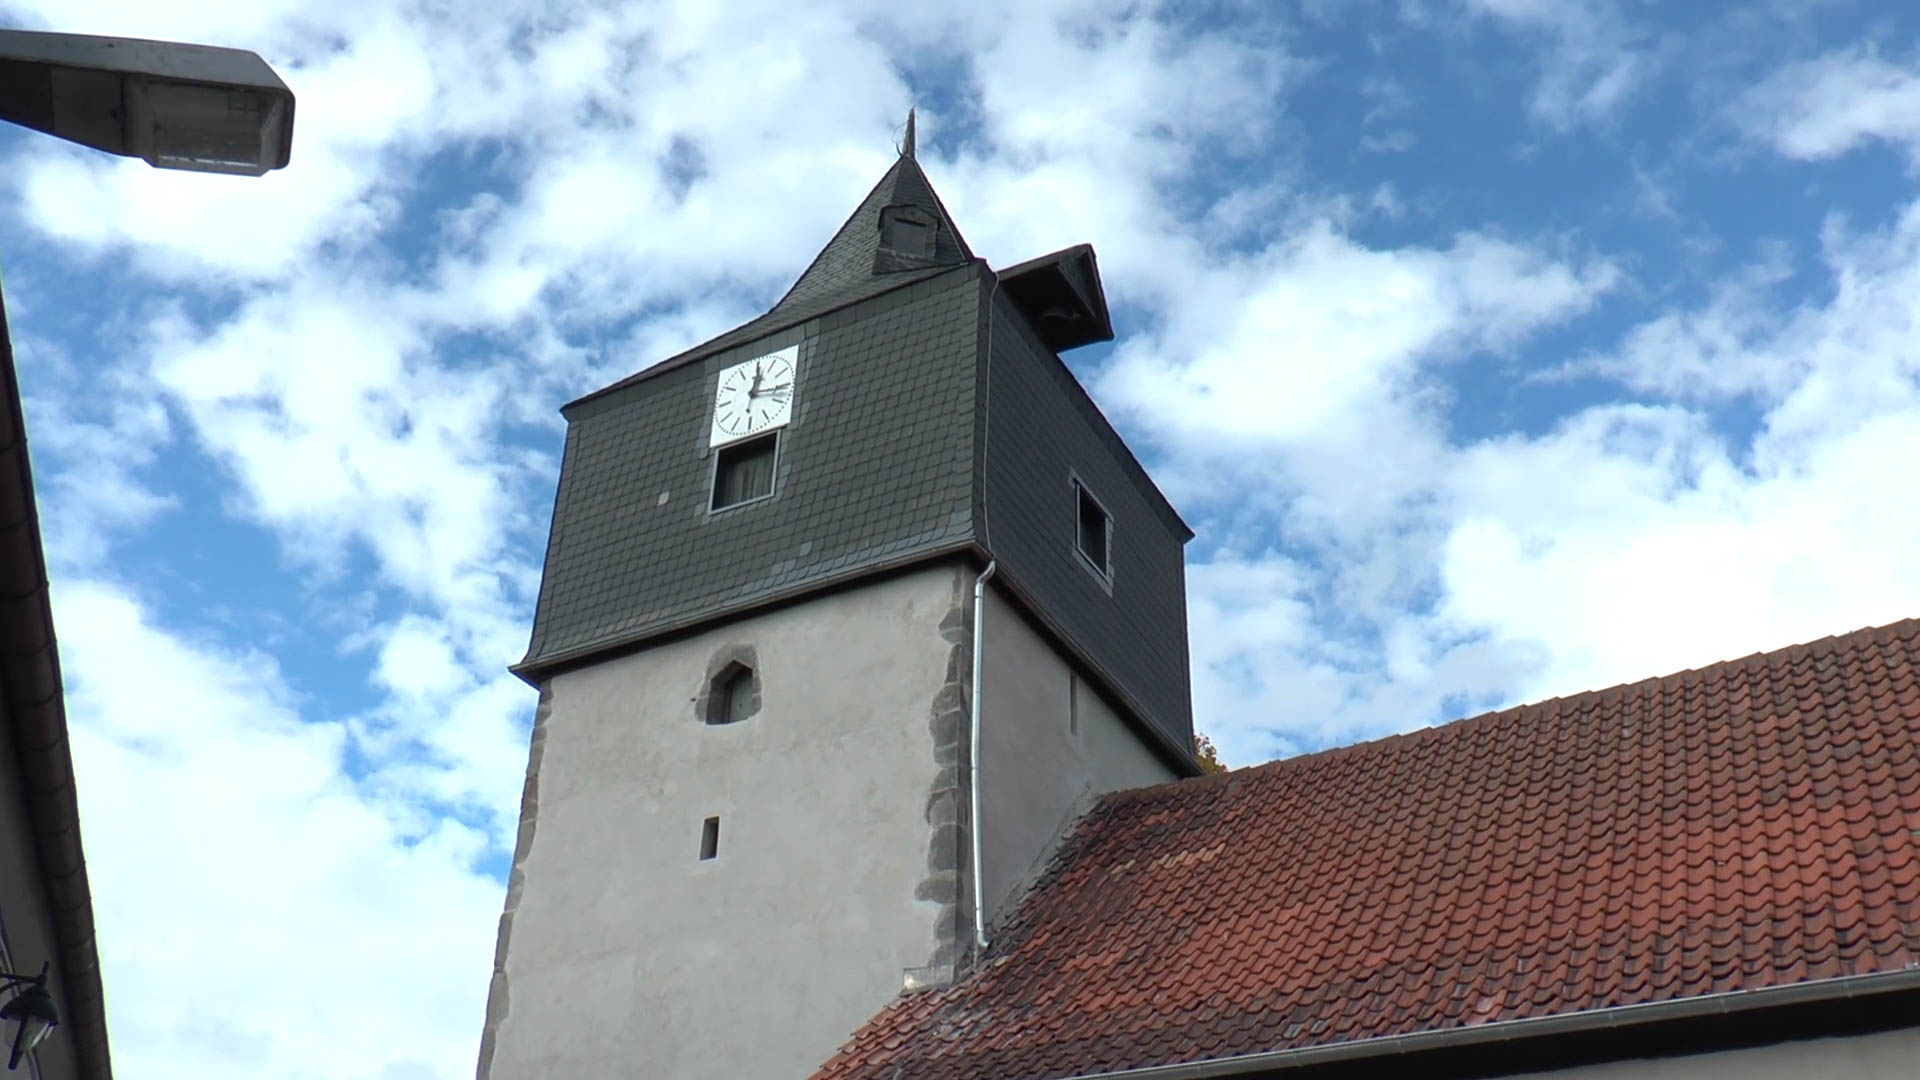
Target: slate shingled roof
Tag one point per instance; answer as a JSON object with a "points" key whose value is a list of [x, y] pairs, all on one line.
{"points": [[924, 428], [1752, 824], [633, 550], [621, 563], [845, 272]]}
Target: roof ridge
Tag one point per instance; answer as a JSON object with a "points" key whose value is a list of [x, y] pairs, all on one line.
{"points": [[1899, 629]]}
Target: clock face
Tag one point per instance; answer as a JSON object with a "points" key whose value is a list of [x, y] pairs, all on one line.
{"points": [[754, 396]]}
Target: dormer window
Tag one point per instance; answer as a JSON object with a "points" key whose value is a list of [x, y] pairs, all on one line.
{"points": [[907, 230]]}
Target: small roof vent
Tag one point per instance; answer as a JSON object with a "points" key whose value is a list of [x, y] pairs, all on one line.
{"points": [[908, 231]]}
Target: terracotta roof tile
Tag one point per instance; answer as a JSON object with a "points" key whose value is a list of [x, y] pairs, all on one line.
{"points": [[1749, 824]]}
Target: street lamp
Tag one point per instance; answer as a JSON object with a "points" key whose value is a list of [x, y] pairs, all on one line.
{"points": [[178, 106], [32, 1008]]}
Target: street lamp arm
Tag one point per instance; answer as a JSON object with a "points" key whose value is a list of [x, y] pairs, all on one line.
{"points": [[179, 106]]}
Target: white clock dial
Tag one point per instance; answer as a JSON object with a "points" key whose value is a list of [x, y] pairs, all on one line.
{"points": [[754, 396]]}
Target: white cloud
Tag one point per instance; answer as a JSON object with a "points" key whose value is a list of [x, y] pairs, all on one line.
{"points": [[1315, 350], [1665, 556], [251, 900], [331, 411], [1631, 541], [1593, 61], [1829, 106], [1718, 351]]}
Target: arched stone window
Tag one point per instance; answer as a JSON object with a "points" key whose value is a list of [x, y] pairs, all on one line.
{"points": [[732, 692], [732, 697]]}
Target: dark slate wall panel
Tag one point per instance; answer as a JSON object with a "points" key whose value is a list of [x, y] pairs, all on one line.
{"points": [[876, 465], [1041, 430]]}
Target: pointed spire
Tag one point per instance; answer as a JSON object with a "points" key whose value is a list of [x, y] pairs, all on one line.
{"points": [[856, 261]]}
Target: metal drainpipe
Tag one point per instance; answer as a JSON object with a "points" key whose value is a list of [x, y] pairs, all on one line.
{"points": [[973, 751]]}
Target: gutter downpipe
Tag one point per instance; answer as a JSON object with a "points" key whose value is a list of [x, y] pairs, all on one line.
{"points": [[1622, 1016], [973, 754]]}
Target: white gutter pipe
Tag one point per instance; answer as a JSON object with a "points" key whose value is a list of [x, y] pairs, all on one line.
{"points": [[973, 753]]}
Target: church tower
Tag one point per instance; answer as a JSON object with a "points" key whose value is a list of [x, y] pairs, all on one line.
{"points": [[749, 817]]}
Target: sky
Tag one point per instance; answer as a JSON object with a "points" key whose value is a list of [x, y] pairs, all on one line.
{"points": [[1494, 349]]}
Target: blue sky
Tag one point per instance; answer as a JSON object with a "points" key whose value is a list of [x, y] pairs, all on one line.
{"points": [[1496, 349]]}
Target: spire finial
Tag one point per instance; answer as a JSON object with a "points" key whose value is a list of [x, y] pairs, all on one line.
{"points": [[906, 148]]}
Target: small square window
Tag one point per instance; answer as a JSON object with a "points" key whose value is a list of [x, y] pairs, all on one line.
{"points": [[1093, 534], [743, 472]]}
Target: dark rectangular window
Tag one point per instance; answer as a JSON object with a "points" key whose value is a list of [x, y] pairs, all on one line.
{"points": [[1094, 531], [709, 838], [743, 472]]}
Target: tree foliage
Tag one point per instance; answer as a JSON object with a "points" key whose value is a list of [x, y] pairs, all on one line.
{"points": [[1208, 757]]}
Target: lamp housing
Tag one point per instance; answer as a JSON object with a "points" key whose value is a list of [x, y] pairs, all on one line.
{"points": [[178, 106], [34, 1010]]}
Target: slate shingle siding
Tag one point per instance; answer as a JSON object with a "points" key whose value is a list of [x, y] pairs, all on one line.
{"points": [[1042, 429], [876, 465], [879, 465]]}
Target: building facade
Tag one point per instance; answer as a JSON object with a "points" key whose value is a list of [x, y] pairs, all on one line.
{"points": [[748, 819]]}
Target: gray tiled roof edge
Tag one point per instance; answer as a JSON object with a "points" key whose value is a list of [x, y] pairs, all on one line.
{"points": [[756, 329], [532, 670], [1131, 711]]}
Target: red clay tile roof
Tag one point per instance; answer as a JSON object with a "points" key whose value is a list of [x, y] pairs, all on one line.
{"points": [[1750, 824]]}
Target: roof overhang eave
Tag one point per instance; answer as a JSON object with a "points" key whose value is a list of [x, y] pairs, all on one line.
{"points": [[1590, 1021], [32, 692]]}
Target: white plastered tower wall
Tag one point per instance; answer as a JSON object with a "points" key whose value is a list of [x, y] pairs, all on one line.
{"points": [[840, 878], [623, 953], [1049, 744]]}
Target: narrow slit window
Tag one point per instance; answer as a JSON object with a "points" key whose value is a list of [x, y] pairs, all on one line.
{"points": [[709, 839], [1093, 535], [743, 472], [1073, 704]]}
